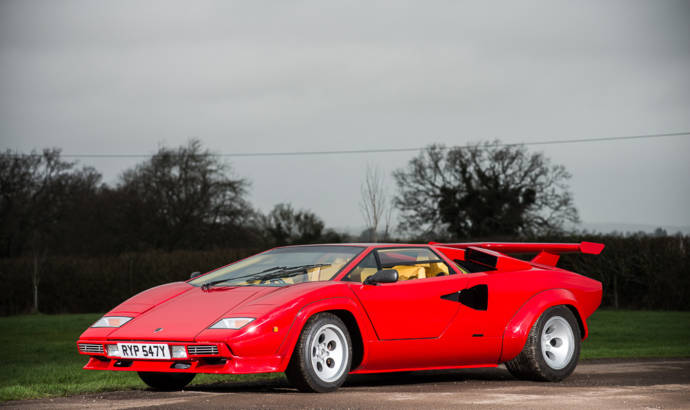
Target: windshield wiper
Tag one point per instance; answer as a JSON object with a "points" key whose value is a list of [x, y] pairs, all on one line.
{"points": [[289, 272], [209, 285], [282, 271]]}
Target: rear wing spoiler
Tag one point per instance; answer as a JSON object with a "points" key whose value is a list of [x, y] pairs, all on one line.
{"points": [[547, 253], [591, 248]]}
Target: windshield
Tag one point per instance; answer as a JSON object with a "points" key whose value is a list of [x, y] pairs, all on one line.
{"points": [[283, 266]]}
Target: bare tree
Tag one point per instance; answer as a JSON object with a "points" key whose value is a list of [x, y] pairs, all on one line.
{"points": [[483, 190], [286, 226], [374, 204], [389, 221], [38, 193], [183, 197]]}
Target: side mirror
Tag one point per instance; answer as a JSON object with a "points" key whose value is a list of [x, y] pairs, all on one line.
{"points": [[194, 275], [382, 276]]}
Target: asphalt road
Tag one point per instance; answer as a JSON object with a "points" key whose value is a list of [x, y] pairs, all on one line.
{"points": [[595, 384]]}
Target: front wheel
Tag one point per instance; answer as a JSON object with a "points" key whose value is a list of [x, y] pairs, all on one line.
{"points": [[552, 348], [166, 381], [323, 355]]}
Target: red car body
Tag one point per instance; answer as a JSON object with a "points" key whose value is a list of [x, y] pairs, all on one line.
{"points": [[400, 326]]}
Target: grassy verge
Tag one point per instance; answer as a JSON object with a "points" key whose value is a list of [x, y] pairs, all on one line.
{"points": [[41, 360], [627, 333], [40, 357]]}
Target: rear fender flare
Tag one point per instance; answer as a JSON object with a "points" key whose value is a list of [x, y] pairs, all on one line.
{"points": [[518, 328], [324, 305]]}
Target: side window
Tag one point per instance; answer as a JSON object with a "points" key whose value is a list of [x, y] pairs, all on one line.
{"points": [[363, 270], [470, 267], [413, 263]]}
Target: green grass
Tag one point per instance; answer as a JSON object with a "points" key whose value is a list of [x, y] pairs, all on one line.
{"points": [[40, 357], [629, 333]]}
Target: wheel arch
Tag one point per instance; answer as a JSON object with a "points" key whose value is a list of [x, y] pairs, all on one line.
{"points": [[355, 335], [580, 322], [344, 308], [517, 330]]}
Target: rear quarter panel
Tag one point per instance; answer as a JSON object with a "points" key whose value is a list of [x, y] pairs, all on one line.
{"points": [[524, 296]]}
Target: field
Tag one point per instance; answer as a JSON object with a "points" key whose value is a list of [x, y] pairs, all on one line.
{"points": [[625, 333], [41, 360]]}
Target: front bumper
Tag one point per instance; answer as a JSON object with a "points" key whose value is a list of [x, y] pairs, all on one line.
{"points": [[218, 360]]}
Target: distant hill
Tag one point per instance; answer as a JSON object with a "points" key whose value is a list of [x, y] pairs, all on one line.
{"points": [[598, 227], [608, 227]]}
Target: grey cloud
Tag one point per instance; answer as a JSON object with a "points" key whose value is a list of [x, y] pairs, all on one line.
{"points": [[97, 76]]}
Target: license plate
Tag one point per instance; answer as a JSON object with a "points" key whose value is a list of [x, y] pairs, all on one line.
{"points": [[143, 351]]}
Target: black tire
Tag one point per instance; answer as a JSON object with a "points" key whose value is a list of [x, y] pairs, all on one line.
{"points": [[546, 357], [322, 357], [166, 381]]}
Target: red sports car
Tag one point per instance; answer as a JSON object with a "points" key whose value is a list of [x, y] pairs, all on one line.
{"points": [[321, 312]]}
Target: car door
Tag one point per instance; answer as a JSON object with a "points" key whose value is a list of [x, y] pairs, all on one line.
{"points": [[413, 307], [487, 302]]}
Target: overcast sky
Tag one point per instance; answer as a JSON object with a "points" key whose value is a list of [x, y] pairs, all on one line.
{"points": [[267, 76]]}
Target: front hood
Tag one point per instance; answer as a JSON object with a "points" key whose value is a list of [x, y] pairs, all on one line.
{"points": [[185, 316]]}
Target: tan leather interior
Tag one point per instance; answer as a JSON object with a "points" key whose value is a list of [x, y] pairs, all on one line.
{"points": [[407, 272], [435, 269], [364, 273], [326, 272]]}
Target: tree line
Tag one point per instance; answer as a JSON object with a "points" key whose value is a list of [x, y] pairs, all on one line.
{"points": [[187, 198], [183, 209], [180, 198], [637, 272]]}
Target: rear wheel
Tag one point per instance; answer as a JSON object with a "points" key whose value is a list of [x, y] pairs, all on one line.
{"points": [[323, 355], [552, 348], [166, 381]]}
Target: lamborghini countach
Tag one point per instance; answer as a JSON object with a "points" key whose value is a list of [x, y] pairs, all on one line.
{"points": [[322, 312]]}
